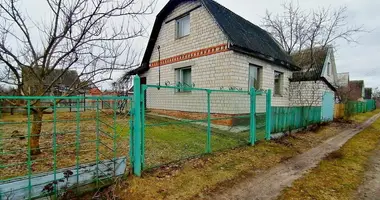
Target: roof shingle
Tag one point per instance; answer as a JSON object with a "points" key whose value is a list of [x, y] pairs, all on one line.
{"points": [[311, 63]]}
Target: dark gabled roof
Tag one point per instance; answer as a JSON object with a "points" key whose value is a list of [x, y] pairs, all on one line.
{"points": [[243, 36], [248, 37], [311, 63]]}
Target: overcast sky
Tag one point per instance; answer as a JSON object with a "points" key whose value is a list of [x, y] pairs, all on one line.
{"points": [[358, 59]]}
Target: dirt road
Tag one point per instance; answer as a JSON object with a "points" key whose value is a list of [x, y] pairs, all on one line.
{"points": [[270, 183], [370, 189]]}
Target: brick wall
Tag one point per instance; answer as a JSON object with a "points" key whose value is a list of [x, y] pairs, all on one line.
{"points": [[355, 91], [220, 69], [307, 93], [204, 32], [239, 76]]}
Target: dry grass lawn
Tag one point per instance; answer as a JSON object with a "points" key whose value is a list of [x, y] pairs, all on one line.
{"points": [[189, 179], [339, 175], [68, 147]]}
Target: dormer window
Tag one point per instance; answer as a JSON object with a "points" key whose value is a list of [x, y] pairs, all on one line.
{"points": [[183, 26]]}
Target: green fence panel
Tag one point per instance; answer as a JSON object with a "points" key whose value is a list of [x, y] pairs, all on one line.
{"points": [[290, 118], [370, 105], [180, 122], [78, 149], [356, 107]]}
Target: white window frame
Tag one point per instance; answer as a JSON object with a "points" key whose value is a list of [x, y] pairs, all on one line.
{"points": [[259, 73], [180, 78], [180, 26], [281, 82]]}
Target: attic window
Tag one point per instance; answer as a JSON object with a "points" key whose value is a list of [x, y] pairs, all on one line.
{"points": [[183, 26], [328, 69]]}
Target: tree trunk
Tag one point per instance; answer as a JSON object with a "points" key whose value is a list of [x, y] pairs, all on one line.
{"points": [[35, 134]]}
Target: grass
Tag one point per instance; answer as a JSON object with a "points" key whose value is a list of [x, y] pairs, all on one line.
{"points": [[339, 175], [167, 140], [14, 142], [363, 116], [192, 178]]}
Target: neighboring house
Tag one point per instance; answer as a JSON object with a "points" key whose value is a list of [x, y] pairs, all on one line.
{"points": [[367, 93], [318, 76], [94, 92], [355, 90], [343, 79], [202, 43]]}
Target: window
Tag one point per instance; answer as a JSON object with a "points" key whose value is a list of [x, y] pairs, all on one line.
{"points": [[183, 79], [278, 77], [183, 26], [254, 78], [328, 69]]}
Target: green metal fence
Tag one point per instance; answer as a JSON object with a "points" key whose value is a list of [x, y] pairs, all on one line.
{"points": [[180, 122], [370, 105], [291, 118], [355, 107], [46, 150], [85, 141]]}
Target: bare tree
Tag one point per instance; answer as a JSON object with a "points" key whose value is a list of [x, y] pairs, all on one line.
{"points": [[376, 93], [297, 29], [307, 33], [92, 37]]}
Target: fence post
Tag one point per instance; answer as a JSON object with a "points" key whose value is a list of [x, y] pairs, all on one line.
{"points": [[137, 127], [143, 99], [252, 116], [208, 141], [268, 125]]}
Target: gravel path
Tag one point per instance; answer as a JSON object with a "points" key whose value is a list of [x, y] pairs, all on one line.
{"points": [[269, 184]]}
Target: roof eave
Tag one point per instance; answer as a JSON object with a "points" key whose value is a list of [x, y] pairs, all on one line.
{"points": [[260, 56]]}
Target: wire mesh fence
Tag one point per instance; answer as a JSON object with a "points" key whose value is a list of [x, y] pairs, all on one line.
{"points": [[58, 146], [181, 123]]}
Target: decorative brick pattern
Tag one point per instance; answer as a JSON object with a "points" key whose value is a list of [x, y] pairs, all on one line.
{"points": [[191, 55]]}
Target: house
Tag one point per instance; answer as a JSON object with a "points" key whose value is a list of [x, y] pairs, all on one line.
{"points": [[367, 93], [355, 90], [94, 92], [318, 76], [203, 44]]}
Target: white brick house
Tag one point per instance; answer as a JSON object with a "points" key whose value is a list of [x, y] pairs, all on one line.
{"points": [[308, 85], [202, 43]]}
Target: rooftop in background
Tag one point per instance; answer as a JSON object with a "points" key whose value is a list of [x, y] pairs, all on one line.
{"points": [[311, 63]]}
